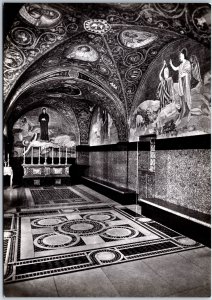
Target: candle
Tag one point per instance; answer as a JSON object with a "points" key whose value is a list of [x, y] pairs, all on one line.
{"points": [[8, 160], [52, 155], [32, 157], [39, 155], [66, 156], [45, 155], [59, 155], [24, 155]]}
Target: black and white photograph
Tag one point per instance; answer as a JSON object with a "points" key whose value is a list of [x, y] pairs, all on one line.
{"points": [[106, 149]]}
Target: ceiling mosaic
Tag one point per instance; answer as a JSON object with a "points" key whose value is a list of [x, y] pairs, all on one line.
{"points": [[92, 54]]}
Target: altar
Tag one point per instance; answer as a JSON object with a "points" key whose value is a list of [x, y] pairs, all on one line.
{"points": [[44, 172]]}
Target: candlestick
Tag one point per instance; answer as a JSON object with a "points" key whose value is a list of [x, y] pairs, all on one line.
{"points": [[66, 156], [39, 155], [24, 155]]}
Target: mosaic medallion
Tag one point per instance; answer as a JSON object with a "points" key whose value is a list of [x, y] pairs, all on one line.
{"points": [[186, 241], [97, 26], [105, 256], [100, 217], [22, 36], [136, 38], [133, 74], [202, 18], [48, 222], [13, 59], [120, 232], [55, 241], [134, 59], [81, 227]]}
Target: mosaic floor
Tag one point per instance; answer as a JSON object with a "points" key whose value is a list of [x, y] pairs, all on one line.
{"points": [[44, 241]]}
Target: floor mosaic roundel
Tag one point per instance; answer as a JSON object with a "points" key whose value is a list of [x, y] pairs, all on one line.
{"points": [[80, 227], [100, 217], [120, 232], [186, 241], [54, 241], [144, 220], [48, 222], [105, 256]]}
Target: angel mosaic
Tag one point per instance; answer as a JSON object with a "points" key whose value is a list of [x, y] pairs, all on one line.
{"points": [[180, 106]]}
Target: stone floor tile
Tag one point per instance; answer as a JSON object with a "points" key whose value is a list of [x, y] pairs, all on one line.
{"points": [[42, 287], [180, 273], [89, 283], [135, 279], [200, 257], [197, 292]]}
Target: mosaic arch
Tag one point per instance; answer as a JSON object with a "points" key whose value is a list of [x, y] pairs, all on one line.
{"points": [[77, 85]]}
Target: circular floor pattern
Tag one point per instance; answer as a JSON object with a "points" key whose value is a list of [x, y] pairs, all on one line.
{"points": [[55, 241], [80, 227], [100, 217], [186, 241], [144, 220], [48, 222], [105, 256], [120, 232]]}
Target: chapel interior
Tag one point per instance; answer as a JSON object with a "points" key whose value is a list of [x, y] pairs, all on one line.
{"points": [[106, 149]]}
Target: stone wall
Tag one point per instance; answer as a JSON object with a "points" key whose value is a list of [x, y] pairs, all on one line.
{"points": [[181, 176], [109, 165]]}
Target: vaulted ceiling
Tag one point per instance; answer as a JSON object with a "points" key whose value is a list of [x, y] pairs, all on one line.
{"points": [[75, 56]]}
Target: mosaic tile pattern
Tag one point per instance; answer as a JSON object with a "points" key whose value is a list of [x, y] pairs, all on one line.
{"points": [[51, 194], [66, 240], [61, 196], [180, 180]]}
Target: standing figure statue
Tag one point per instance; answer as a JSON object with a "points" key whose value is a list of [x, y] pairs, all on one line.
{"points": [[44, 120]]}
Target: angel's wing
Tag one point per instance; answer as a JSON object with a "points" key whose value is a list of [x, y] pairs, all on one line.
{"points": [[195, 69]]}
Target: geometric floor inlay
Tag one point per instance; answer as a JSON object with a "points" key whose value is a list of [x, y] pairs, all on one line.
{"points": [[46, 242], [55, 241], [80, 227], [46, 222], [51, 194]]}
